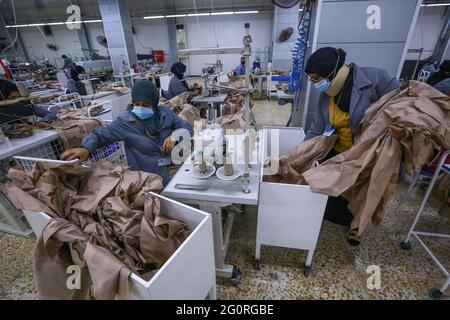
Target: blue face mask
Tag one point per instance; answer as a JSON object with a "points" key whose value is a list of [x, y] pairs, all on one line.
{"points": [[142, 113], [323, 85]]}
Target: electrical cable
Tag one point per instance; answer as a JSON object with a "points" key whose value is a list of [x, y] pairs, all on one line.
{"points": [[17, 31], [214, 23], [195, 10]]}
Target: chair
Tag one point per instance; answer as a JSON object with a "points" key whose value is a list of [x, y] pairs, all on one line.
{"points": [[423, 75], [435, 293]]}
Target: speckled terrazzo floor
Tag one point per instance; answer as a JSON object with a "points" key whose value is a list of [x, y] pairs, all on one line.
{"points": [[339, 270]]}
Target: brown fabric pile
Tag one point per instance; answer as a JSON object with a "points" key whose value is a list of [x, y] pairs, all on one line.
{"points": [[300, 159], [176, 103], [234, 121], [73, 125], [409, 124], [235, 102], [233, 111], [117, 87], [191, 114], [104, 221], [236, 81]]}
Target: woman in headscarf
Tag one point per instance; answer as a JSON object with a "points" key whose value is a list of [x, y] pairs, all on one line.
{"points": [[347, 91], [146, 130], [177, 84], [74, 85]]}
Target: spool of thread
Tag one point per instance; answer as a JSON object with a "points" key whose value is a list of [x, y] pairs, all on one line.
{"points": [[202, 166], [228, 169]]}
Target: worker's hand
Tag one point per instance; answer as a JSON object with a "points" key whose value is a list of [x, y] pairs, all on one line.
{"points": [[168, 144], [77, 153]]}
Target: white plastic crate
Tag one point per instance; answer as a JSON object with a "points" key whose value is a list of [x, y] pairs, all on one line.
{"points": [[190, 271], [115, 153], [189, 274], [289, 215]]}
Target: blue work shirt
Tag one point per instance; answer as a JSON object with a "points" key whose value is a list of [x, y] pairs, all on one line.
{"points": [[142, 152], [240, 70]]}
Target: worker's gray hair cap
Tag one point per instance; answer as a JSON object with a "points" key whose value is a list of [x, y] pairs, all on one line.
{"points": [[146, 91]]}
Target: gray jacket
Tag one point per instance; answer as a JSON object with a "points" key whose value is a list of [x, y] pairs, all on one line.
{"points": [[176, 87], [369, 85], [142, 152]]}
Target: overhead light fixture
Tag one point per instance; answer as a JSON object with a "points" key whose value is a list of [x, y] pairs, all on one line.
{"points": [[36, 24], [435, 4], [154, 17], [301, 9], [244, 12], [198, 14], [55, 23], [18, 26], [73, 22], [91, 21], [221, 13], [176, 15]]}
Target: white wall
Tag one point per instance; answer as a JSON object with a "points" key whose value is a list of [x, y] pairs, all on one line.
{"points": [[226, 31], [66, 41], [153, 34], [426, 31]]}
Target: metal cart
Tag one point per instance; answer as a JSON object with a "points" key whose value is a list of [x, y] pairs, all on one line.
{"points": [[435, 293]]}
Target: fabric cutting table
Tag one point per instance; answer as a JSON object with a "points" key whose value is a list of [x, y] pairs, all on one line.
{"points": [[218, 195]]}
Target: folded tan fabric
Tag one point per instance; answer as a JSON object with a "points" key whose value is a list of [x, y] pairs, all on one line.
{"points": [[418, 117], [234, 121], [73, 125], [104, 221], [301, 158]]}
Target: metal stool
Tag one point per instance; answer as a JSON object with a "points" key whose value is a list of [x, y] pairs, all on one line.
{"points": [[435, 293]]}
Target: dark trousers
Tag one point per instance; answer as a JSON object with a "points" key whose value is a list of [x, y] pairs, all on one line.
{"points": [[336, 210]]}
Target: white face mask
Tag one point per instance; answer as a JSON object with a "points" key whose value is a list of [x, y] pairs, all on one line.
{"points": [[323, 85]]}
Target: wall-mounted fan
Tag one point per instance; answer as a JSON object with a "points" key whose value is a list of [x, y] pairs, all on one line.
{"points": [[285, 3], [285, 34], [52, 47], [102, 41]]}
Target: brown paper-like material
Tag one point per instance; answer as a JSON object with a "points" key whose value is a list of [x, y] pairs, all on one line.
{"points": [[104, 221]]}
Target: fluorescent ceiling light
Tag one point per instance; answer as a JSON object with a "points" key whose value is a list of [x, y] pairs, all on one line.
{"points": [[36, 24], [435, 4], [221, 13], [90, 21], [244, 12], [176, 15], [154, 17], [198, 14], [18, 26], [73, 22], [55, 23]]}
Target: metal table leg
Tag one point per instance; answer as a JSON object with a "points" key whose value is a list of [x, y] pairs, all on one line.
{"points": [[13, 216], [221, 239]]}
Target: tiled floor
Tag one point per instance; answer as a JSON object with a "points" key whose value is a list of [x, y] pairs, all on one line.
{"points": [[339, 270]]}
